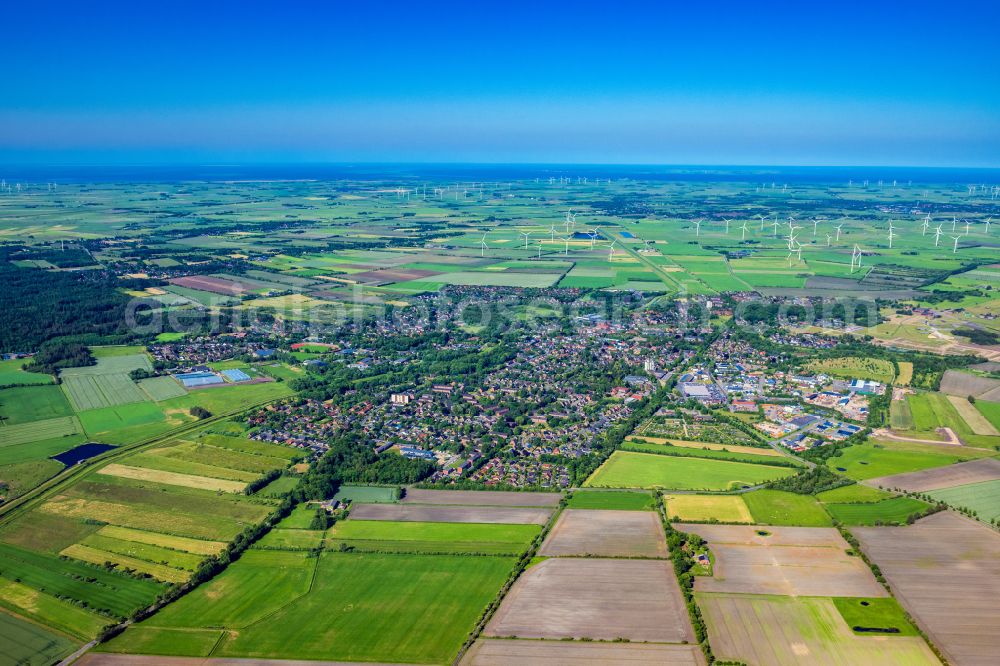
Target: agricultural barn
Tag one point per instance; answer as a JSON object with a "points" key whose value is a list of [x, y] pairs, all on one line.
{"points": [[194, 379]]}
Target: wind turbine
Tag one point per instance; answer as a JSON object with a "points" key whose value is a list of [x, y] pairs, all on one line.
{"points": [[967, 223], [891, 236], [697, 227], [525, 234], [539, 249], [927, 223], [954, 221], [552, 230], [611, 247], [566, 249], [482, 246], [828, 237], [776, 225], [988, 220], [815, 224], [593, 236], [838, 228], [937, 236], [726, 220], [954, 248], [762, 219], [744, 229]]}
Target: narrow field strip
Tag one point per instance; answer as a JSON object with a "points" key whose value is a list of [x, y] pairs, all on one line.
{"points": [[172, 478], [100, 557]]}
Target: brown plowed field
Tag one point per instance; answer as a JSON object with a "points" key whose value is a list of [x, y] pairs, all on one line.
{"points": [[451, 514], [494, 652], [792, 561], [594, 598], [959, 474], [479, 498], [945, 570], [212, 284], [606, 534]]}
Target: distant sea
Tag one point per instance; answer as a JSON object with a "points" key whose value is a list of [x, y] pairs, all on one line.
{"points": [[489, 173]]}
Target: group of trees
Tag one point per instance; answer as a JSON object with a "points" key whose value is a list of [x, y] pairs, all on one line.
{"points": [[56, 355]]}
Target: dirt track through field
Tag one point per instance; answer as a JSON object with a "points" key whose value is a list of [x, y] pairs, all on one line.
{"points": [[451, 514], [480, 498], [959, 474], [791, 561], [606, 534], [495, 652], [945, 570], [595, 598]]}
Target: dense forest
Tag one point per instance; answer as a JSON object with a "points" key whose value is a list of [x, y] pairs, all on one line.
{"points": [[40, 305]]}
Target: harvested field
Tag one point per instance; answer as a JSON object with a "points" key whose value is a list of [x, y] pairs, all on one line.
{"points": [[963, 385], [790, 561], [705, 508], [172, 478], [187, 545], [99, 557], [979, 424], [212, 284], [945, 570], [594, 598], [974, 471], [606, 534], [390, 275], [480, 498], [450, 514], [494, 652], [777, 631]]}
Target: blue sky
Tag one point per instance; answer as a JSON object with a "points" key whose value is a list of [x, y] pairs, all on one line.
{"points": [[838, 83]]}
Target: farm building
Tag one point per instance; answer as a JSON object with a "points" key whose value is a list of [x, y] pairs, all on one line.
{"points": [[196, 379], [236, 375]]}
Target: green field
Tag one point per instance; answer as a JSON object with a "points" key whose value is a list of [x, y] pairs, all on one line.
{"points": [[279, 487], [626, 469], [11, 374], [868, 461], [360, 607], [32, 403], [367, 494], [36, 431], [291, 539], [617, 500], [982, 497], [25, 643], [694, 452], [854, 493], [853, 367], [49, 610], [88, 585], [104, 390], [991, 410], [161, 388], [777, 507], [416, 537], [870, 613], [708, 508], [892, 511]]}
